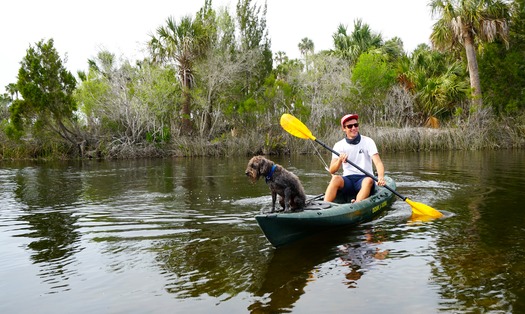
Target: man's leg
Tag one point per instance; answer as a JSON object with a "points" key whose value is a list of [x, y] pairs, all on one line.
{"points": [[336, 183], [366, 186]]}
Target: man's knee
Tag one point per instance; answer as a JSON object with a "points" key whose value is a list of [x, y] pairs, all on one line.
{"points": [[367, 182], [337, 181]]}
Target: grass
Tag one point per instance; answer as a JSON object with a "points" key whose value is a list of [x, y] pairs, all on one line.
{"points": [[277, 141]]}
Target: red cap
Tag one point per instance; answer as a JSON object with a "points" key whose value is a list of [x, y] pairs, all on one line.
{"points": [[348, 117]]}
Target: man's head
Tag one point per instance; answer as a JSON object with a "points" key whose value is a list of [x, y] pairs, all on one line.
{"points": [[351, 116], [350, 125]]}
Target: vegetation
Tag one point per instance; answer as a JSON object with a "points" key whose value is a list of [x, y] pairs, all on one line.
{"points": [[470, 23], [212, 86]]}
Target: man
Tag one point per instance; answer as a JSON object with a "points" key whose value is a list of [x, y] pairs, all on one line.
{"points": [[362, 151]]}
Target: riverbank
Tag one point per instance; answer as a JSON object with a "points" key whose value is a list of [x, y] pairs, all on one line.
{"points": [[388, 139], [276, 141]]}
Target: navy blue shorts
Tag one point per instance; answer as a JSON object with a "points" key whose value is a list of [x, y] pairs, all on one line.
{"points": [[353, 185]]}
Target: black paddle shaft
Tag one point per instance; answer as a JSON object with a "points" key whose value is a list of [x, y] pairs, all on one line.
{"points": [[360, 169]]}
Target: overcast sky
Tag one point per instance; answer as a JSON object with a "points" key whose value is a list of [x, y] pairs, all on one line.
{"points": [[81, 29]]}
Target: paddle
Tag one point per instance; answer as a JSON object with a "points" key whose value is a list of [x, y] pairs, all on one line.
{"points": [[295, 127]]}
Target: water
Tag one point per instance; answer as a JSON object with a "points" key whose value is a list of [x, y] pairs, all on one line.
{"points": [[179, 236]]}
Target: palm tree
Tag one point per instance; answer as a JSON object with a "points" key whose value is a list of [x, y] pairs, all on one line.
{"points": [[306, 46], [394, 49], [362, 39], [179, 43], [469, 23], [12, 90], [280, 57], [436, 79]]}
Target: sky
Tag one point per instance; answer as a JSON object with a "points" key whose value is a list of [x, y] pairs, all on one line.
{"points": [[81, 29]]}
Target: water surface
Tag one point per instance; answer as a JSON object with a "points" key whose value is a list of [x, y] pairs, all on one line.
{"points": [[179, 235]]}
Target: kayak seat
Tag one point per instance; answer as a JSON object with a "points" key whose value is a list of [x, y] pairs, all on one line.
{"points": [[317, 205], [341, 198]]}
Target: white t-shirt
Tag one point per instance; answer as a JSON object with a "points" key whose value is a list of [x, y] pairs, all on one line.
{"points": [[360, 154]]}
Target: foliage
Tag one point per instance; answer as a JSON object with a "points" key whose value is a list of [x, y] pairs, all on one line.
{"points": [[306, 46], [351, 46], [374, 76], [127, 104], [46, 89], [393, 48], [181, 44], [281, 97], [504, 85], [203, 44], [469, 23], [5, 101], [502, 69], [217, 74], [438, 81], [254, 43], [210, 86]]}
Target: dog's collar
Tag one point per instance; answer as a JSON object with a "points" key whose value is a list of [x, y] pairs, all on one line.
{"points": [[269, 176]]}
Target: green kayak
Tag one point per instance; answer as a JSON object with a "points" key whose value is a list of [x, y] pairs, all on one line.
{"points": [[281, 228]]}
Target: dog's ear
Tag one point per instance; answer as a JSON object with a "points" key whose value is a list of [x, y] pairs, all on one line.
{"points": [[265, 166], [254, 163]]}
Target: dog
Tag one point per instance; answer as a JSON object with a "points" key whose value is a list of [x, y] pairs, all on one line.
{"points": [[281, 182]]}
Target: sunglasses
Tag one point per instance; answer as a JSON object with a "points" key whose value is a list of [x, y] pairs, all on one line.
{"points": [[349, 126]]}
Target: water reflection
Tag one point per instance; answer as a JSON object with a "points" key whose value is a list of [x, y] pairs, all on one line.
{"points": [[480, 250], [46, 194], [293, 267], [359, 257], [220, 260], [289, 271]]}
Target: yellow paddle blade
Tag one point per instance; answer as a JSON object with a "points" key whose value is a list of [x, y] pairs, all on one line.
{"points": [[420, 209], [295, 127]]}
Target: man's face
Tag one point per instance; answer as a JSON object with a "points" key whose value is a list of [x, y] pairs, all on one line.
{"points": [[351, 128]]}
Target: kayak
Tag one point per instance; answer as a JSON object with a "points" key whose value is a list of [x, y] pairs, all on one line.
{"points": [[281, 228]]}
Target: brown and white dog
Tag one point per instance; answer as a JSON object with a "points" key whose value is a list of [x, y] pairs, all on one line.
{"points": [[281, 182]]}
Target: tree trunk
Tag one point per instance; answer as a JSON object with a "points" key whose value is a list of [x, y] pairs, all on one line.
{"points": [[473, 71], [186, 112], [209, 110]]}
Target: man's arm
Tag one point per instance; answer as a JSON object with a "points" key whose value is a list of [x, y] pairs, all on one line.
{"points": [[378, 163]]}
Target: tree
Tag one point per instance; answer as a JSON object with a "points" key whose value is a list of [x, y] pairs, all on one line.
{"points": [[254, 41], [503, 69], [437, 80], [181, 43], [280, 57], [306, 47], [255, 54], [12, 90], [46, 90], [394, 49], [125, 105], [373, 76], [325, 90], [5, 100], [219, 68], [351, 46], [469, 23]]}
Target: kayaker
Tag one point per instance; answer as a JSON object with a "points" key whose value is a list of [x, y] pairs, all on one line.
{"points": [[362, 151]]}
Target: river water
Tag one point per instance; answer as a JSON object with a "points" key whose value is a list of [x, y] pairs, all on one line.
{"points": [[179, 236]]}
